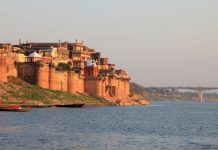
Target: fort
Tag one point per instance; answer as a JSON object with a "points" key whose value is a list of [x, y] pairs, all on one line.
{"points": [[69, 67]]}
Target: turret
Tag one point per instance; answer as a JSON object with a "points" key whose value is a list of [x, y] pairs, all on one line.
{"points": [[43, 75]]}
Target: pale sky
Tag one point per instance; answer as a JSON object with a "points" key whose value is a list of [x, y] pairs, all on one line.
{"points": [[159, 42]]}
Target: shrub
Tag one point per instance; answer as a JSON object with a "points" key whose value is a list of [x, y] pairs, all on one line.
{"points": [[63, 67]]}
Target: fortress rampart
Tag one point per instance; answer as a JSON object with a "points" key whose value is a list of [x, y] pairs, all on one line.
{"points": [[45, 76], [7, 68], [108, 87], [3, 69], [89, 73]]}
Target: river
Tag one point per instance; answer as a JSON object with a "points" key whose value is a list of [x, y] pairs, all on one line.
{"points": [[159, 126]]}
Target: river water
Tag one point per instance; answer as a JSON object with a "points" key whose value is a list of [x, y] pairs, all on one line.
{"points": [[159, 126]]}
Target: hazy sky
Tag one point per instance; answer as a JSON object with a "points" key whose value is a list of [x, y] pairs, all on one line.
{"points": [[159, 42]]}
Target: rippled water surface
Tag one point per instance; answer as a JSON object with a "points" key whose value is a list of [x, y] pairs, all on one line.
{"points": [[162, 125]]}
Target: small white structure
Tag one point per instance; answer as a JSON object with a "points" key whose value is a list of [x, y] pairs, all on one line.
{"points": [[91, 63], [35, 54], [33, 57]]}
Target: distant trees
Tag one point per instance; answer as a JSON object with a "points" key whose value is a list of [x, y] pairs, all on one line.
{"points": [[21, 51], [136, 88]]}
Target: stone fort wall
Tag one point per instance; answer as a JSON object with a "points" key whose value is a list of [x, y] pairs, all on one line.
{"points": [[7, 68], [27, 72], [108, 87], [3, 69], [45, 76]]}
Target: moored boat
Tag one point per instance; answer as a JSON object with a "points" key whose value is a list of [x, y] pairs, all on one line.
{"points": [[71, 105], [24, 109], [9, 107], [37, 106], [18, 108]]}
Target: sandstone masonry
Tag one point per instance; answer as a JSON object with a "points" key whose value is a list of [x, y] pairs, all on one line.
{"points": [[88, 73]]}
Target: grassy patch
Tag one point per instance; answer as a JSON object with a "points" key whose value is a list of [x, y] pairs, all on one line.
{"points": [[22, 91], [33, 96], [4, 97], [12, 103]]}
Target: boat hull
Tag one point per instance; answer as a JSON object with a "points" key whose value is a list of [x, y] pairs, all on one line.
{"points": [[71, 105], [16, 108]]}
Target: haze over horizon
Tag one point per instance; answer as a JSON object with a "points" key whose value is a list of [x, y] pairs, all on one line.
{"points": [[160, 43]]}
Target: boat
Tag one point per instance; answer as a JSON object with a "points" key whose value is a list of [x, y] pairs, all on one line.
{"points": [[37, 106], [17, 108], [9, 107], [24, 109], [70, 105]]}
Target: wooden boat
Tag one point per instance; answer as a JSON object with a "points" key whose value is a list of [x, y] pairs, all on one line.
{"points": [[24, 109], [37, 106], [18, 108], [10, 107], [71, 105]]}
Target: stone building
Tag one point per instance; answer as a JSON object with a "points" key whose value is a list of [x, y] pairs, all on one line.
{"points": [[89, 73], [78, 55], [57, 51]]}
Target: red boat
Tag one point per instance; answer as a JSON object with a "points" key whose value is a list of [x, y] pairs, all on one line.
{"points": [[18, 108]]}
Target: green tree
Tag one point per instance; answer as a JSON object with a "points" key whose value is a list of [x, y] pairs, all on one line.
{"points": [[63, 67]]}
